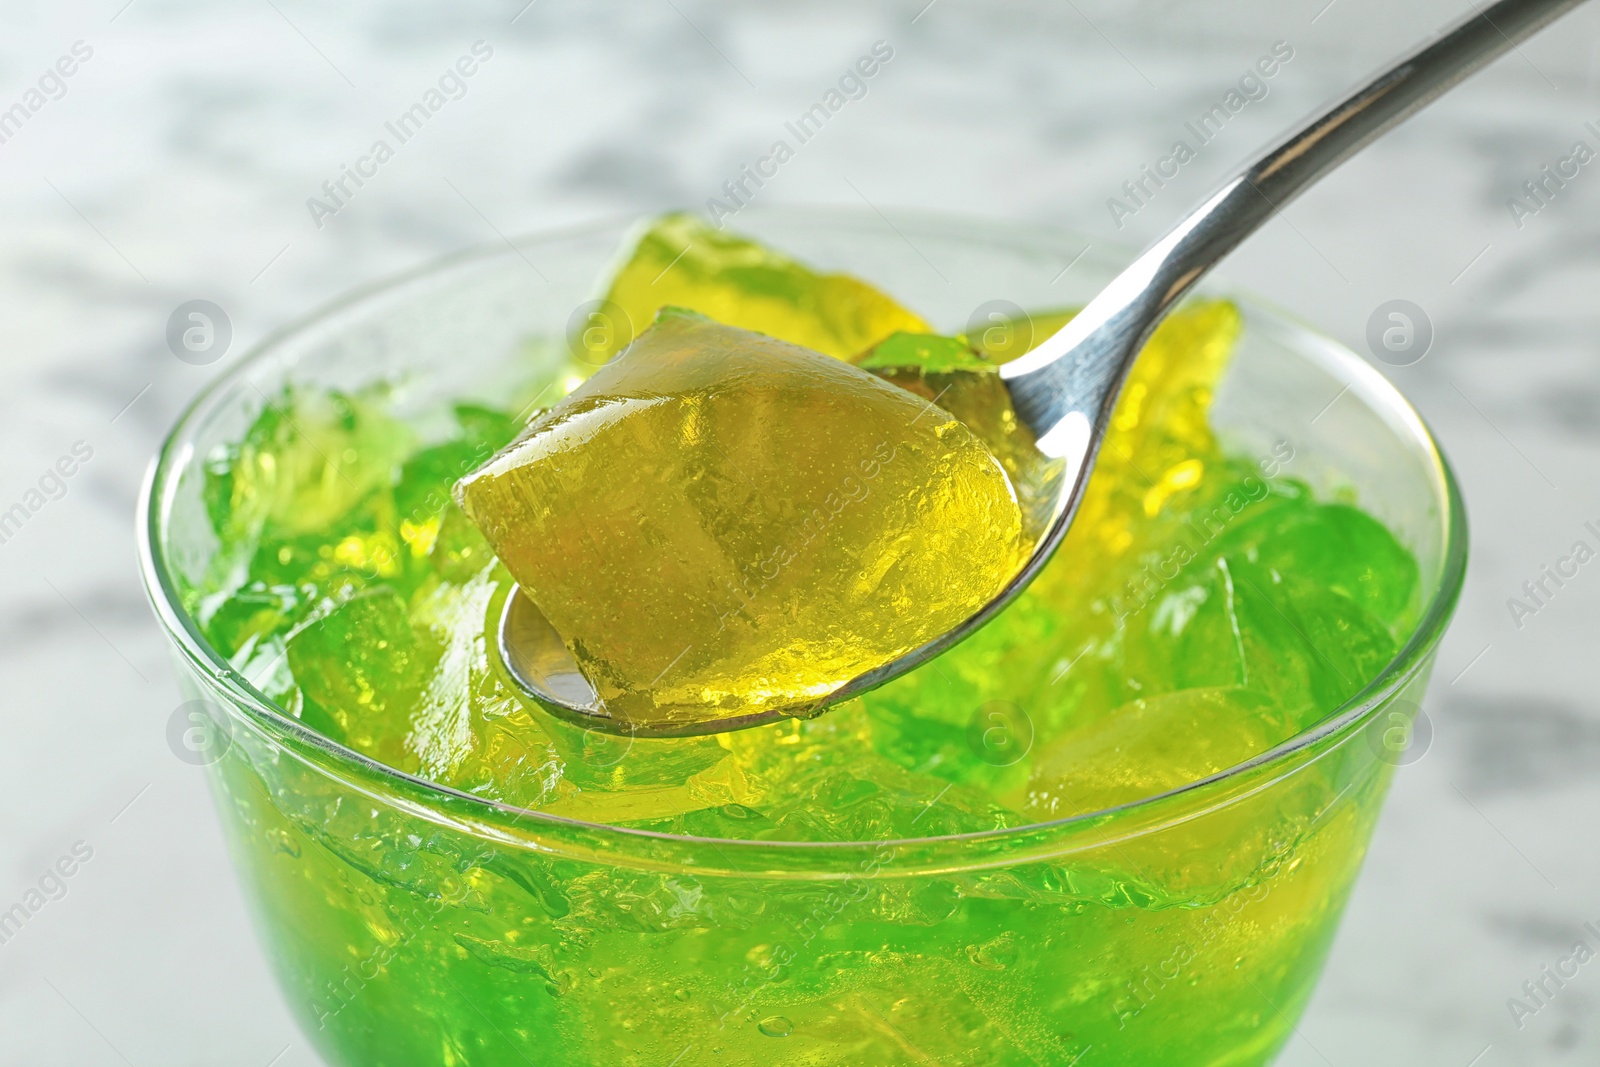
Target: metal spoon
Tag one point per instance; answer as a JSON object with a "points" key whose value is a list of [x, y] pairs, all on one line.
{"points": [[1065, 389]]}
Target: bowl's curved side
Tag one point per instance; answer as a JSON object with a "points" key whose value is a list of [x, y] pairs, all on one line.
{"points": [[826, 236]]}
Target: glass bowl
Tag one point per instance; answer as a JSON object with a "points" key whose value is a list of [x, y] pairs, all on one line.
{"points": [[410, 923]]}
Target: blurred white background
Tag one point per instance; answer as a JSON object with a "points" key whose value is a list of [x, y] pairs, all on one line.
{"points": [[177, 163]]}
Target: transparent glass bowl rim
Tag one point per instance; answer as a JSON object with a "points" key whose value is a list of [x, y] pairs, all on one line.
{"points": [[177, 451]]}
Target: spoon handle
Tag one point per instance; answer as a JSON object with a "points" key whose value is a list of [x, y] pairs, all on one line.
{"points": [[1071, 380]]}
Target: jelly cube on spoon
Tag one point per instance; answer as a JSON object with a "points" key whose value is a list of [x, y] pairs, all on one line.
{"points": [[949, 372], [720, 524]]}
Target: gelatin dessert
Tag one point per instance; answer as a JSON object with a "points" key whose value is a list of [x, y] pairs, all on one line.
{"points": [[1115, 826], [722, 524]]}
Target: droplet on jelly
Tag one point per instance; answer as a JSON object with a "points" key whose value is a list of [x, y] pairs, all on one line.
{"points": [[775, 1026], [994, 955]]}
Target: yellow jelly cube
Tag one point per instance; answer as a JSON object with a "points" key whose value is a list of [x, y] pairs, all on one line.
{"points": [[682, 262], [719, 524]]}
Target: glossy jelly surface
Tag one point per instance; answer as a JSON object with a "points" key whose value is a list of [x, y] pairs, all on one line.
{"points": [[722, 524]]}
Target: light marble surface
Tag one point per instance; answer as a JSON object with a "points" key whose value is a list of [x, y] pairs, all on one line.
{"points": [[177, 165]]}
